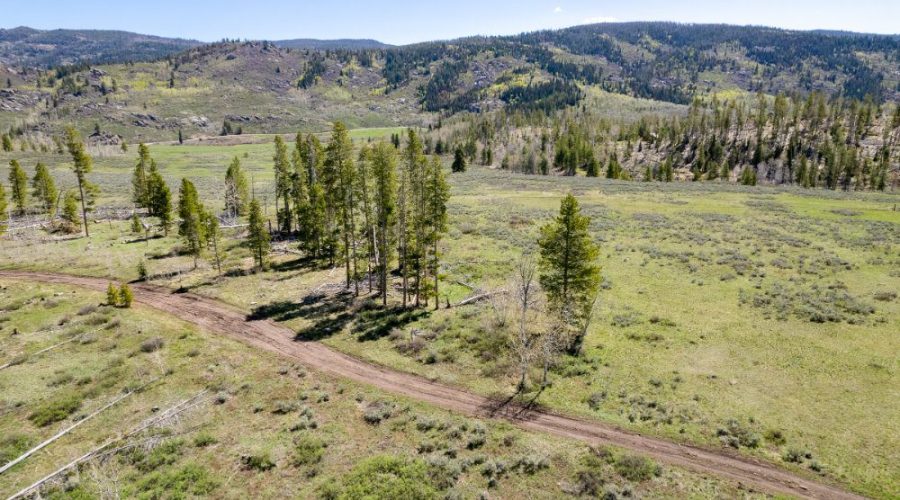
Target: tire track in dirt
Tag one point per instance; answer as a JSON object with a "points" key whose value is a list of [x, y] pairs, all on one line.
{"points": [[216, 316]]}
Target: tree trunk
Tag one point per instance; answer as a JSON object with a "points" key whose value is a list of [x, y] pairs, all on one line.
{"points": [[87, 233], [437, 303]]}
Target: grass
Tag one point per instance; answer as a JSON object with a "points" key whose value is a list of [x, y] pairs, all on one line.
{"points": [[757, 311], [233, 445]]}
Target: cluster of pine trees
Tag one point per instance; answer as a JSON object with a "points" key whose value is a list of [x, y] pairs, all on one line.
{"points": [[44, 194], [363, 210], [810, 141]]}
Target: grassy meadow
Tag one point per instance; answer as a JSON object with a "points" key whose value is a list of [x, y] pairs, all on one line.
{"points": [[760, 319], [301, 434]]}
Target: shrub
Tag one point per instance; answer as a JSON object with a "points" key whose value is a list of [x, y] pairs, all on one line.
{"points": [[378, 411], [151, 345], [13, 445], [142, 270], [636, 468], [189, 480], [56, 410], [388, 476], [203, 440], [88, 309], [736, 435], [775, 436], [793, 455], [531, 464], [308, 451], [261, 463], [167, 453], [284, 407]]}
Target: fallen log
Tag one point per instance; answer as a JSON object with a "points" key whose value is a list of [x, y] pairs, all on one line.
{"points": [[168, 413], [479, 297]]}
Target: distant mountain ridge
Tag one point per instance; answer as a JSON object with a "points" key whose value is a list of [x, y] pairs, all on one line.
{"points": [[24, 46], [29, 47], [341, 43]]}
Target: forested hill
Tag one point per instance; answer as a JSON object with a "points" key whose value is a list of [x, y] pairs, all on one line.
{"points": [[541, 81], [29, 47]]}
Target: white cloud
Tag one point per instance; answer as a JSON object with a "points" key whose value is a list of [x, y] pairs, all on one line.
{"points": [[557, 10], [599, 19]]}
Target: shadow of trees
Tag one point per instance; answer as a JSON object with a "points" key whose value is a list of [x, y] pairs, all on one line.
{"points": [[331, 314]]}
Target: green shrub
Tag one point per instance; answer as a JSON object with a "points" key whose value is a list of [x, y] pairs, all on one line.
{"points": [[261, 462], [203, 440], [56, 410], [189, 480], [13, 445], [308, 451], [636, 468], [167, 453], [387, 476]]}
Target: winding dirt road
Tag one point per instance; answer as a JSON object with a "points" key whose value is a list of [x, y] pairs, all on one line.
{"points": [[218, 317]]}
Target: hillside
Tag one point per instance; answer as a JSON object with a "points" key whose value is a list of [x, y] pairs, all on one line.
{"points": [[547, 76], [28, 47]]}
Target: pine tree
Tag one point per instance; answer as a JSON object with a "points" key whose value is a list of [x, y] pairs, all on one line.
{"points": [[126, 296], [411, 212], [112, 295], [384, 174], [339, 162], [7, 143], [236, 189], [258, 236], [311, 201], [81, 166], [160, 199], [364, 191], [191, 211], [593, 168], [748, 176], [214, 239], [282, 185], [136, 226], [139, 178], [70, 211], [570, 274], [18, 182], [44, 188], [459, 161], [437, 193], [4, 216]]}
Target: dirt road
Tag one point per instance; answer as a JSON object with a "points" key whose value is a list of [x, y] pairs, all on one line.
{"points": [[218, 317]]}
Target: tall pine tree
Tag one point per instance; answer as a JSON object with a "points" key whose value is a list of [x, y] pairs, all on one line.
{"points": [[18, 184], [237, 191], [384, 198], [44, 189], [82, 164], [191, 227], [569, 272], [258, 235]]}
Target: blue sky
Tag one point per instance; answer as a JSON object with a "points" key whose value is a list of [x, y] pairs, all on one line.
{"points": [[406, 21]]}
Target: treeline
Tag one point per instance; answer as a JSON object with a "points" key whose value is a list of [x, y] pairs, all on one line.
{"points": [[44, 197], [810, 141]]}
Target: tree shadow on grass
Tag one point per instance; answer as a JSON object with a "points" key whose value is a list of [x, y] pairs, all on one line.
{"points": [[331, 314], [519, 405]]}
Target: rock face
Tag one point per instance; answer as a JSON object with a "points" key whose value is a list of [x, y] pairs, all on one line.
{"points": [[104, 139]]}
